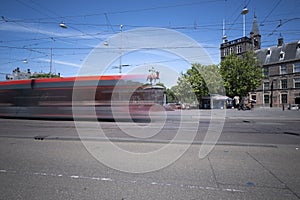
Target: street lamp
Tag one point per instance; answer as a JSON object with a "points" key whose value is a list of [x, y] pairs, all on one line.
{"points": [[224, 38], [63, 25], [244, 12], [105, 43]]}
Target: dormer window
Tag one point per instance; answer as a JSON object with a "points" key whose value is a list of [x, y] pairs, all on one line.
{"points": [[268, 51], [298, 45], [281, 55]]}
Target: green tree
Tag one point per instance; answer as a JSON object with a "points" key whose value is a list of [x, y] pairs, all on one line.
{"points": [[171, 97], [197, 82], [45, 75], [211, 79], [241, 75], [183, 91], [194, 76]]}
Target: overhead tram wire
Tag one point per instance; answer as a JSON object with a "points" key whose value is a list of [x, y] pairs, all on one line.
{"points": [[43, 38], [115, 48], [55, 14], [134, 10], [185, 27], [145, 9], [137, 10], [108, 23], [31, 7], [32, 49], [46, 9], [281, 24], [105, 14], [75, 28], [268, 15], [126, 11], [29, 28]]}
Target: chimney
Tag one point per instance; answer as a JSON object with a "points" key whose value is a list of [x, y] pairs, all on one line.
{"points": [[280, 41]]}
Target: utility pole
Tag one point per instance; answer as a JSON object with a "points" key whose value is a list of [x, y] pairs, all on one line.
{"points": [[120, 66], [50, 62]]}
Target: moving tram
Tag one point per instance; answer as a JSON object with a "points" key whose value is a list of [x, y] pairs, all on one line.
{"points": [[101, 97]]}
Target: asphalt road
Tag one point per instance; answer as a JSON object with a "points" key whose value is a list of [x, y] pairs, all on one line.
{"points": [[256, 156]]}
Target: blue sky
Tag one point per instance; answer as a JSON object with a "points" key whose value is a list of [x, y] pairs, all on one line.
{"points": [[30, 28]]}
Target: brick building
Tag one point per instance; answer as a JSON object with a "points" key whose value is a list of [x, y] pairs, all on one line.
{"points": [[243, 44], [280, 64], [281, 67]]}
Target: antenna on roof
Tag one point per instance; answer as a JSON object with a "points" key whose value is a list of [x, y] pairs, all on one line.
{"points": [[224, 37]]}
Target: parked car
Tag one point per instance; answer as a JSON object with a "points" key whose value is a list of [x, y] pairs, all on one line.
{"points": [[293, 106], [174, 106]]}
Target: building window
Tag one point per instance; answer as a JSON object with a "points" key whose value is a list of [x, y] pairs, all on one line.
{"points": [[239, 49], [281, 55], [283, 98], [266, 98], [283, 69], [226, 52], [230, 50], [268, 52], [297, 82], [266, 71], [284, 84], [266, 85], [296, 67]]}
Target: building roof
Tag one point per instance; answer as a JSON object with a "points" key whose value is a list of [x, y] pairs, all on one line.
{"points": [[237, 41], [278, 54], [255, 29]]}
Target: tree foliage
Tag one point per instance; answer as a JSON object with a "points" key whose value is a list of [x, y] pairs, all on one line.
{"points": [[171, 97], [45, 75], [241, 75], [197, 82], [183, 91], [212, 78]]}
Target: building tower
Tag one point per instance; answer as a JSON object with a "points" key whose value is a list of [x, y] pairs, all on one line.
{"points": [[241, 45], [255, 35]]}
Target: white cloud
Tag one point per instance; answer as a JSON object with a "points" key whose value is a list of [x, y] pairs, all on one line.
{"points": [[12, 27], [61, 62], [70, 33]]}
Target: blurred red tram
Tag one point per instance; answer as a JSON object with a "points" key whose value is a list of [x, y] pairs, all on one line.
{"points": [[86, 97]]}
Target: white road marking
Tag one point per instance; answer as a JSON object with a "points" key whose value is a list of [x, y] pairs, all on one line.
{"points": [[129, 181]]}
